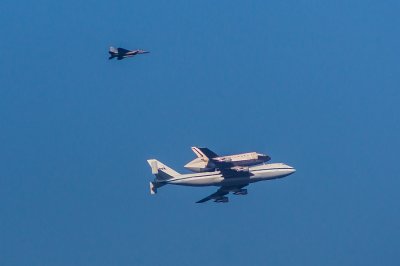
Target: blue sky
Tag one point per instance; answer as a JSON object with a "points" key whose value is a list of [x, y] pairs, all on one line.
{"points": [[314, 84]]}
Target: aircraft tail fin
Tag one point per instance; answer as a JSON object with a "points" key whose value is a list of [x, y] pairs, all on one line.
{"points": [[113, 52], [161, 171], [154, 186]]}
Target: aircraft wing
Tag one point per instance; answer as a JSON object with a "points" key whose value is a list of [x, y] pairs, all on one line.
{"points": [[221, 192], [222, 164], [219, 162], [204, 152], [123, 51], [235, 172]]}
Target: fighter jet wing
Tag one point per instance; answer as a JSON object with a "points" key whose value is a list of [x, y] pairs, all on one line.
{"points": [[123, 51], [221, 192]]}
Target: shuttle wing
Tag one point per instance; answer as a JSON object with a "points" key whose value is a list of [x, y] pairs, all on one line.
{"points": [[208, 155], [235, 172], [204, 153]]}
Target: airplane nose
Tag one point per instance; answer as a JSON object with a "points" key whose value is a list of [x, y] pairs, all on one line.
{"points": [[290, 169]]}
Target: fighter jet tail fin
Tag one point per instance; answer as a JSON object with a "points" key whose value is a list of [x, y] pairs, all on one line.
{"points": [[161, 171], [113, 50]]}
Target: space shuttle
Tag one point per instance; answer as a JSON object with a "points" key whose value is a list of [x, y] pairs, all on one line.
{"points": [[209, 161]]}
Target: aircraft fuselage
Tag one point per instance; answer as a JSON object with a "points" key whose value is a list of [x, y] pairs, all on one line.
{"points": [[255, 174]]}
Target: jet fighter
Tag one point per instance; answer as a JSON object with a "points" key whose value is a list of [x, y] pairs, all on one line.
{"points": [[227, 179], [121, 53], [208, 161]]}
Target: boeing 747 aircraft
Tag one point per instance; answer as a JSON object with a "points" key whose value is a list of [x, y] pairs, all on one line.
{"points": [[227, 179]]}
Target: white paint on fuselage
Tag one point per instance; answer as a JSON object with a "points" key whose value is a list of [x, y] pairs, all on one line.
{"points": [[204, 164], [257, 173]]}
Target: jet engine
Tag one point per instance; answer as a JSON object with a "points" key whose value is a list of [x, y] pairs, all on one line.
{"points": [[222, 199], [241, 169], [242, 191]]}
